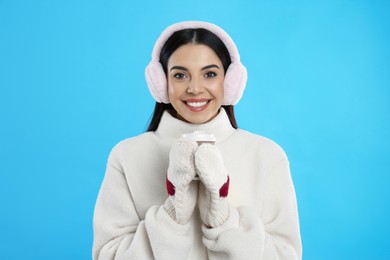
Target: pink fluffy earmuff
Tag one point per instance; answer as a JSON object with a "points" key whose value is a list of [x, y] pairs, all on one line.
{"points": [[235, 77]]}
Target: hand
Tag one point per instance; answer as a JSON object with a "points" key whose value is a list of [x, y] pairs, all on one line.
{"points": [[213, 192], [182, 191]]}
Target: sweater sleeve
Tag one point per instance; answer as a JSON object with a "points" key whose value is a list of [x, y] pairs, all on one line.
{"points": [[119, 233], [271, 234]]}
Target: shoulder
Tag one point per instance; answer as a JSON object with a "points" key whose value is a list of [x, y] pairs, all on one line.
{"points": [[263, 146], [130, 142], [130, 147]]}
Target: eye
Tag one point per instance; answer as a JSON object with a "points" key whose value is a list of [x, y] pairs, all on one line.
{"points": [[210, 74], [179, 76]]}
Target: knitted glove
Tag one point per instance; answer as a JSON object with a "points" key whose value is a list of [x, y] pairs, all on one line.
{"points": [[181, 190], [213, 204]]}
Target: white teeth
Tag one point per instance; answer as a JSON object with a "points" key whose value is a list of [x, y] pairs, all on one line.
{"points": [[197, 104]]}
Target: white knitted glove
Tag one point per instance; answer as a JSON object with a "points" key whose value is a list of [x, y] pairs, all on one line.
{"points": [[213, 204], [182, 191]]}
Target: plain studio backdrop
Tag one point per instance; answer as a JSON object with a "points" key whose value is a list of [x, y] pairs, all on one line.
{"points": [[72, 86]]}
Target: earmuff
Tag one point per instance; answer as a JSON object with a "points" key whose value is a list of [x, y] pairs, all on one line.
{"points": [[235, 77]]}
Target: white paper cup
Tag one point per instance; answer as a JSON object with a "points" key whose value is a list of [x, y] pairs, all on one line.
{"points": [[200, 137]]}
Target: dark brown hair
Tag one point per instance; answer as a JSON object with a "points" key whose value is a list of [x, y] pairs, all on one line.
{"points": [[182, 37]]}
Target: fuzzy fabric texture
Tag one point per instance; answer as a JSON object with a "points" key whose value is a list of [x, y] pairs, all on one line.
{"points": [[213, 204], [241, 231], [235, 76], [181, 189], [159, 227], [131, 222]]}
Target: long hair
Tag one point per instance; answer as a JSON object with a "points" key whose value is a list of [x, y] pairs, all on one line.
{"points": [[182, 37]]}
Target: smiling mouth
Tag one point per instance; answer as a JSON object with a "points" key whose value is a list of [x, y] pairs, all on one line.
{"points": [[197, 105]]}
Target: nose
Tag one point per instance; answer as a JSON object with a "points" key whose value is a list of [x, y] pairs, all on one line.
{"points": [[195, 86]]}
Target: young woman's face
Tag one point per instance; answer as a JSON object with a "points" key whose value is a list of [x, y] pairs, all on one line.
{"points": [[195, 83]]}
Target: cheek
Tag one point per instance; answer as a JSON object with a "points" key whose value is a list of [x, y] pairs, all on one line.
{"points": [[171, 89], [217, 88], [174, 90]]}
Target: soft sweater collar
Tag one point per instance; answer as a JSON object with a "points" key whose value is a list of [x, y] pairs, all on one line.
{"points": [[171, 128]]}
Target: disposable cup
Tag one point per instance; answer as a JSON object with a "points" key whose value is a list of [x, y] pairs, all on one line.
{"points": [[200, 137]]}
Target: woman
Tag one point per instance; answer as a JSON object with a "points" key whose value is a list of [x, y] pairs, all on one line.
{"points": [[151, 206]]}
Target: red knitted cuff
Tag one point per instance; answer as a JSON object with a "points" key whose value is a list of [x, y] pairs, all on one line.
{"points": [[170, 187], [224, 190]]}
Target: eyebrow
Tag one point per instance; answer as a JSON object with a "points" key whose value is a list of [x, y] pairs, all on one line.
{"points": [[204, 68]]}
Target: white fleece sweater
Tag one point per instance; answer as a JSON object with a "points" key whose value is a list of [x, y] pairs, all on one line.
{"points": [[130, 221]]}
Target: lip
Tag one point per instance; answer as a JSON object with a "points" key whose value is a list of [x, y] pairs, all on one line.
{"points": [[196, 100]]}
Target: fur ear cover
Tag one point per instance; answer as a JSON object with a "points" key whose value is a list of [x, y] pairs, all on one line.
{"points": [[157, 82]]}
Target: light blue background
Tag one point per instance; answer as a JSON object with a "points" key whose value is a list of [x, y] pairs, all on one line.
{"points": [[72, 86]]}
